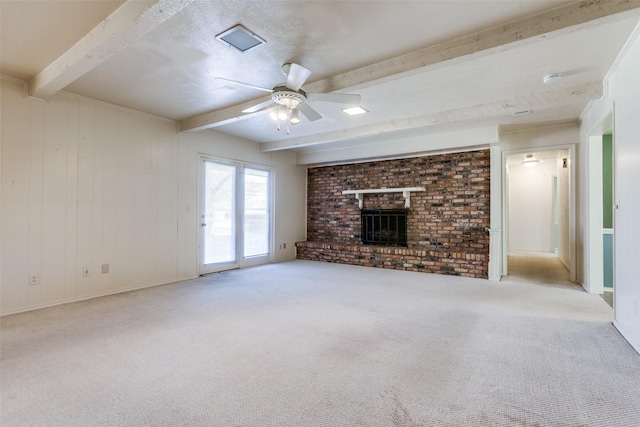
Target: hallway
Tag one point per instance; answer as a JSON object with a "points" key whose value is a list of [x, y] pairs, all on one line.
{"points": [[542, 268], [537, 267]]}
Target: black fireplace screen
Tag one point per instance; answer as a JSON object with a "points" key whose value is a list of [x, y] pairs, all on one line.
{"points": [[384, 227]]}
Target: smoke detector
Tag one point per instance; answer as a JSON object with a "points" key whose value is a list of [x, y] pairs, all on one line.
{"points": [[552, 78]]}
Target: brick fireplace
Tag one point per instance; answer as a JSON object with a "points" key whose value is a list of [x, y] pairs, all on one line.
{"points": [[447, 223]]}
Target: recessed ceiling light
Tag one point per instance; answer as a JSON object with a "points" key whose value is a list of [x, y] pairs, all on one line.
{"points": [[240, 38], [354, 111]]}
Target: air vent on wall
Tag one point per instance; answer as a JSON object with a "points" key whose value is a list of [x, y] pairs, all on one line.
{"points": [[240, 38]]}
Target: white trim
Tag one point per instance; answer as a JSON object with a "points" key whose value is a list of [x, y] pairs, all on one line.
{"points": [[102, 294], [623, 52], [495, 212], [241, 261], [391, 147], [635, 34], [495, 255], [594, 258], [627, 336], [572, 267]]}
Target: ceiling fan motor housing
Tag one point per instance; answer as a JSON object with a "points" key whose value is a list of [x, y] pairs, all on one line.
{"points": [[287, 97]]}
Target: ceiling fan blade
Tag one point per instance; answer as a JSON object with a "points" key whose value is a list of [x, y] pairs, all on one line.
{"points": [[296, 76], [309, 112], [245, 84], [258, 107], [340, 98]]}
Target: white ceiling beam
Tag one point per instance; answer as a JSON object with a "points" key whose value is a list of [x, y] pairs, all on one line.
{"points": [[553, 23], [537, 101], [427, 143], [126, 24]]}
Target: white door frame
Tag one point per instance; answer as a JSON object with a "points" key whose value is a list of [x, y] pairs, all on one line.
{"points": [[594, 256], [504, 246]]}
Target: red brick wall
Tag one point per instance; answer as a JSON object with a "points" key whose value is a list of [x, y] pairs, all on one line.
{"points": [[450, 218]]}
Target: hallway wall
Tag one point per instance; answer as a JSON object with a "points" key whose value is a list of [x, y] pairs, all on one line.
{"points": [[530, 207], [623, 100]]}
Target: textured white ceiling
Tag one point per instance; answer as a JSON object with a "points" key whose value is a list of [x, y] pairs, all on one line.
{"points": [[170, 70]]}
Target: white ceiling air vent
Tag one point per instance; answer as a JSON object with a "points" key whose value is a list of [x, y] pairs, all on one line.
{"points": [[240, 38]]}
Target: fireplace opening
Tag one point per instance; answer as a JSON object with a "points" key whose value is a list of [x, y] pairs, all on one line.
{"points": [[384, 227]]}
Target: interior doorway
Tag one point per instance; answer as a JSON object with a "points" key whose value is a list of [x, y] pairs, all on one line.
{"points": [[538, 213], [601, 254]]}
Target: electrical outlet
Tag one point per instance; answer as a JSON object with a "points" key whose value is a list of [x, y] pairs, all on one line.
{"points": [[34, 279], [85, 272], [105, 268]]}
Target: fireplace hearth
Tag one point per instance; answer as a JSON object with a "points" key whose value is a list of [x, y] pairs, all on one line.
{"points": [[385, 227], [447, 214]]}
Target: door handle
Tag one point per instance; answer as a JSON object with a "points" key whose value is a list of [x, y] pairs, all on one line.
{"points": [[203, 224]]}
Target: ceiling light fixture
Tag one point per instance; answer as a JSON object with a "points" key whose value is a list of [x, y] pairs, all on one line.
{"points": [[287, 109], [530, 161], [552, 78], [240, 38], [354, 111]]}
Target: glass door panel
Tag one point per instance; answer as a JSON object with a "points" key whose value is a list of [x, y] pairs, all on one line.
{"points": [[219, 214], [256, 212], [235, 213]]}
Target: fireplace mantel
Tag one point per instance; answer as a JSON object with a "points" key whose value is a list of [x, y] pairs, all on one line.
{"points": [[406, 193]]}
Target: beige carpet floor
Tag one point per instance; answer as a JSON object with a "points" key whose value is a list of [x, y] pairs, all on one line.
{"points": [[537, 267], [314, 344]]}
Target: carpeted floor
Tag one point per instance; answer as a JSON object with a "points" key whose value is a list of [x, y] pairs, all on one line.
{"points": [[537, 267], [314, 344], [543, 269]]}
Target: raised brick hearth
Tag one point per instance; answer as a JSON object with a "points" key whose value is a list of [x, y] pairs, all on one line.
{"points": [[447, 230]]}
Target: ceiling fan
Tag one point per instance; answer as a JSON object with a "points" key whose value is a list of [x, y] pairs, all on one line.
{"points": [[291, 100]]}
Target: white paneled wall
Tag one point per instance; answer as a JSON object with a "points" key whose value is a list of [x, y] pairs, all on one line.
{"points": [[623, 102], [86, 184]]}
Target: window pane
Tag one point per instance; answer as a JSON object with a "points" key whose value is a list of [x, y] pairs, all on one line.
{"points": [[219, 237], [256, 212]]}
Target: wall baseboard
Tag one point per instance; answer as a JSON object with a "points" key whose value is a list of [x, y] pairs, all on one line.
{"points": [[627, 336], [104, 294]]}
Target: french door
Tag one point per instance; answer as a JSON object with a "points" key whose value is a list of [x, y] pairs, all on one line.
{"points": [[235, 215]]}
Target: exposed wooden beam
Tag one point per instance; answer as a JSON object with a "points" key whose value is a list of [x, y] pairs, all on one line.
{"points": [[538, 101], [552, 23], [126, 24]]}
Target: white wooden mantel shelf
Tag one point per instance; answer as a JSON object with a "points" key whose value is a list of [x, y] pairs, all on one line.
{"points": [[406, 193]]}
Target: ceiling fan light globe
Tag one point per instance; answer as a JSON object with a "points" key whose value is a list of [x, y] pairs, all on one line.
{"points": [[295, 116], [283, 114], [273, 115]]}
